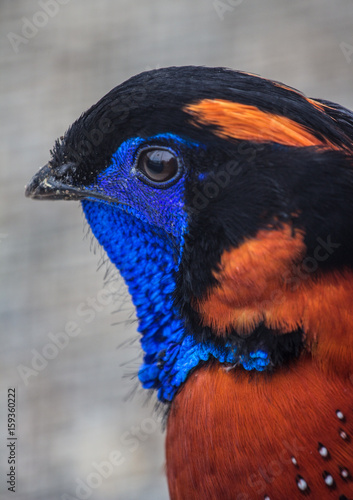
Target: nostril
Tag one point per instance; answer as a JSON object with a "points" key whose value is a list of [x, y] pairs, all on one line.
{"points": [[64, 170]]}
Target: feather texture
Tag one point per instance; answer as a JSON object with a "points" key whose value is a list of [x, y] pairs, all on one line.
{"points": [[226, 202], [240, 436]]}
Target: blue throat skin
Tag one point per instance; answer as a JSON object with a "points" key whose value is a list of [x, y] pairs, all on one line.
{"points": [[144, 239]]}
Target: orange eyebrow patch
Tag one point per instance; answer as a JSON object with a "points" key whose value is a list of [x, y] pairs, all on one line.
{"points": [[244, 122], [318, 105]]}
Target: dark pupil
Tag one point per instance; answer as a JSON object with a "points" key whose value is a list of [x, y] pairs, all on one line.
{"points": [[159, 165]]}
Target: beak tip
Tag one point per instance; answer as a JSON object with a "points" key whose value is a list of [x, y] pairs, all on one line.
{"points": [[30, 190], [49, 185], [35, 186], [45, 185]]}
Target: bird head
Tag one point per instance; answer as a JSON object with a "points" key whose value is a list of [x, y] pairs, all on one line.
{"points": [[225, 200]]}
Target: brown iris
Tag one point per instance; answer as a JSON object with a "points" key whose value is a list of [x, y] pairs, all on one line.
{"points": [[158, 165]]}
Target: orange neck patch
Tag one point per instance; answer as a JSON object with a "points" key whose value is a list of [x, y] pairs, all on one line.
{"points": [[267, 280], [244, 122]]}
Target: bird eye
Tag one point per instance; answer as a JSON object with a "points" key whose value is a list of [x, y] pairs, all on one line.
{"points": [[158, 165]]}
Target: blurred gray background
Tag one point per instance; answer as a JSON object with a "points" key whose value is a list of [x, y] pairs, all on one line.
{"points": [[57, 58]]}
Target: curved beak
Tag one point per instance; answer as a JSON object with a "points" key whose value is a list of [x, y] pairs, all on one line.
{"points": [[49, 184]]}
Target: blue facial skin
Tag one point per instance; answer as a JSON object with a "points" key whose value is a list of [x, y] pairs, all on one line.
{"points": [[143, 235]]}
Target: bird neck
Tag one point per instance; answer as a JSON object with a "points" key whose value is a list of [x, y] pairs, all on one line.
{"points": [[148, 261]]}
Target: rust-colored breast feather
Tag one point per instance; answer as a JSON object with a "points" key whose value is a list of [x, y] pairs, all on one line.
{"points": [[242, 436]]}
